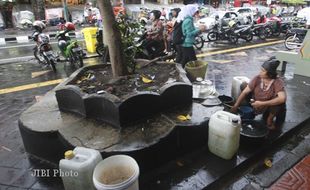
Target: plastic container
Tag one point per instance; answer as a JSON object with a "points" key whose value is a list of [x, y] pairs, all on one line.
{"points": [[119, 172], [196, 69], [77, 168], [90, 38], [224, 134], [235, 88]]}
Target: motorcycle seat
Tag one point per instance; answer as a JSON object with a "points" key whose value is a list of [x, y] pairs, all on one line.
{"points": [[300, 31], [260, 25]]}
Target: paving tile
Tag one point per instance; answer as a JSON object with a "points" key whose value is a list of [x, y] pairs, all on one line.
{"points": [[48, 183], [3, 187], [296, 178], [8, 175], [25, 180], [306, 160]]}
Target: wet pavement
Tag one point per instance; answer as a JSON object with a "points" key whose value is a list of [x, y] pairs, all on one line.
{"points": [[16, 166]]}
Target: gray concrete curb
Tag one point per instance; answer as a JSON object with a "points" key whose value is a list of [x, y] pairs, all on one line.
{"points": [[26, 39]]}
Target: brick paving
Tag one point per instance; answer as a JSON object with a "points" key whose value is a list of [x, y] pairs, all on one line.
{"points": [[297, 178]]}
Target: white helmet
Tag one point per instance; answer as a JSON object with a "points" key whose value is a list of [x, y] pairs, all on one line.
{"points": [[38, 25]]}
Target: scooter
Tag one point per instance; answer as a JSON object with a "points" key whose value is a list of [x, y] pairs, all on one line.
{"points": [[43, 51], [294, 38], [244, 32], [222, 33], [70, 49], [259, 30]]}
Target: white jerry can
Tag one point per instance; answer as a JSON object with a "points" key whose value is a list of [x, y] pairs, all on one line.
{"points": [[78, 167], [235, 87], [224, 134]]}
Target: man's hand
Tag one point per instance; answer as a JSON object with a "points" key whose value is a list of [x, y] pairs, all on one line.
{"points": [[234, 109], [258, 105]]}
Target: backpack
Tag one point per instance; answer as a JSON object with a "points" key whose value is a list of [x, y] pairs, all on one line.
{"points": [[177, 34]]}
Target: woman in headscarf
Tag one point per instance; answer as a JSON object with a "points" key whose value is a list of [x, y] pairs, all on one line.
{"points": [[267, 95], [189, 32]]}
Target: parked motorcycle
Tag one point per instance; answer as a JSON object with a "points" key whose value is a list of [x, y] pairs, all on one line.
{"points": [[294, 38], [101, 49], [259, 30], [224, 33], [99, 44], [43, 51], [199, 42], [70, 49], [244, 32]]}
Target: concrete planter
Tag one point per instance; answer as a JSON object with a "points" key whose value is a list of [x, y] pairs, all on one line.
{"points": [[120, 111]]}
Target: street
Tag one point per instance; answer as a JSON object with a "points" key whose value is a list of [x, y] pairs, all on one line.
{"points": [[24, 81]]}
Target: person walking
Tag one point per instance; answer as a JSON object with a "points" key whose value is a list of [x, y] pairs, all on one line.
{"points": [[189, 32], [170, 24]]}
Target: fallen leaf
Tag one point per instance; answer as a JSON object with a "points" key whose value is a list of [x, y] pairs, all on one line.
{"points": [[182, 118], [146, 80], [268, 163]]}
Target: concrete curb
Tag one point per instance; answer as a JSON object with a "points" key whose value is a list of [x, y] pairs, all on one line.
{"points": [[26, 39], [28, 58]]}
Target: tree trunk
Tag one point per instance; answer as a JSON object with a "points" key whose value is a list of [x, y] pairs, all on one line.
{"points": [[38, 7], [113, 40]]}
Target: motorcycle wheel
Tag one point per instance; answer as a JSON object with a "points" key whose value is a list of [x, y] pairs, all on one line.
{"points": [[52, 64], [212, 36], [292, 42], [79, 61], [248, 37], [262, 34], [233, 39], [268, 31], [199, 42], [38, 56], [100, 50]]}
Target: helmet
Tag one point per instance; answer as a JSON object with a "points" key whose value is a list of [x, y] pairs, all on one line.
{"points": [[232, 23], [69, 26], [38, 25]]}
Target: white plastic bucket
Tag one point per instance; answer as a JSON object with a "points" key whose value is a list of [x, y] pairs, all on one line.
{"points": [[119, 172]]}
